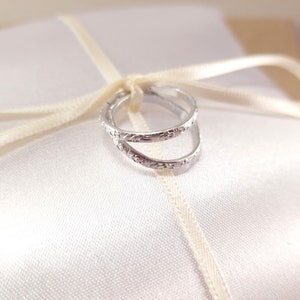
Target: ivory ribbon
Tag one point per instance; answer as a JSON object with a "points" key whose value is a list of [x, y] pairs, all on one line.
{"points": [[50, 117]]}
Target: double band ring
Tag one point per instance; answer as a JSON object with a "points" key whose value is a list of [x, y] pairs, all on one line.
{"points": [[121, 137]]}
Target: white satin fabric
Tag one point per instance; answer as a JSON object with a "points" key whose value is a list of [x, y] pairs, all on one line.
{"points": [[79, 221]]}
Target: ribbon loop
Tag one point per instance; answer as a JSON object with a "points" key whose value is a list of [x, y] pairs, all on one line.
{"points": [[57, 115]]}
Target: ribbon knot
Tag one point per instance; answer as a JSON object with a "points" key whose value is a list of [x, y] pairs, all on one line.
{"points": [[131, 85]]}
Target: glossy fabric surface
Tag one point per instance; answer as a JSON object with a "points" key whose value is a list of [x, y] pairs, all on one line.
{"points": [[78, 221]]}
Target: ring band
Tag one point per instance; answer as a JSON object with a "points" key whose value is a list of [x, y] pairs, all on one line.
{"points": [[154, 136], [154, 163]]}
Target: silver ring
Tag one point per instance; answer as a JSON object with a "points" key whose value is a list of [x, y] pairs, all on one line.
{"points": [[154, 163], [136, 155], [154, 136]]}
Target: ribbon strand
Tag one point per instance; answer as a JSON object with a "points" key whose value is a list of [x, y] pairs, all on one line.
{"points": [[192, 231]]}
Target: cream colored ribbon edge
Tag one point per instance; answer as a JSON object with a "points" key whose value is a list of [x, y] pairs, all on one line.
{"points": [[51, 117]]}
